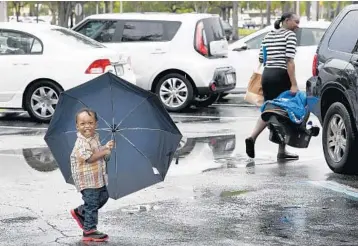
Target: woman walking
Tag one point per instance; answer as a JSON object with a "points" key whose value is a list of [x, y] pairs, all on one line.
{"points": [[279, 72]]}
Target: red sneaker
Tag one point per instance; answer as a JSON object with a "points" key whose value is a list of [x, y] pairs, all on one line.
{"points": [[95, 236], [79, 218]]}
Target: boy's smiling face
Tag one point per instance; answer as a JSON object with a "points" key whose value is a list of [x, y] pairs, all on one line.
{"points": [[86, 124]]}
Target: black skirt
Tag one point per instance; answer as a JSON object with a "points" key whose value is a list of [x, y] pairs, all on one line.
{"points": [[274, 82]]}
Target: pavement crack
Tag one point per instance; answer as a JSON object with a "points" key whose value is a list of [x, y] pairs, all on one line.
{"points": [[39, 216], [55, 228]]}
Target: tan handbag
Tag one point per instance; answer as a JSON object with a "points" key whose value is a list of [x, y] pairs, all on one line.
{"points": [[254, 93]]}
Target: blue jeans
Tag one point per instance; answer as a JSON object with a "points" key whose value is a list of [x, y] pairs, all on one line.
{"points": [[94, 199]]}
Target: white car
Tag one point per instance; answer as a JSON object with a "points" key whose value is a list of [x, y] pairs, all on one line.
{"points": [[180, 57], [244, 53], [38, 62]]}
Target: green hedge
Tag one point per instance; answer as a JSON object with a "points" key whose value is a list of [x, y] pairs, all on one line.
{"points": [[245, 32]]}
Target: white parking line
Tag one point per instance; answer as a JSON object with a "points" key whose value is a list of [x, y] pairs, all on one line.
{"points": [[340, 188], [213, 117], [24, 127], [233, 105]]}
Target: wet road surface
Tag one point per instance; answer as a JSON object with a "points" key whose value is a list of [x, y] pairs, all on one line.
{"points": [[214, 196]]}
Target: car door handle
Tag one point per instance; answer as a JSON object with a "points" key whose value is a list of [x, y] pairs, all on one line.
{"points": [[20, 64], [158, 51]]}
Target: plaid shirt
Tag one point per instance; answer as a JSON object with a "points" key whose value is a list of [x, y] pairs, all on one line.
{"points": [[87, 175]]}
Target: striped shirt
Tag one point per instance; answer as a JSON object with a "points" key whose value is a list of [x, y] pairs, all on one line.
{"points": [[87, 175], [280, 45]]}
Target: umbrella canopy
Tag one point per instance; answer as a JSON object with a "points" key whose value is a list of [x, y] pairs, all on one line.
{"points": [[145, 136]]}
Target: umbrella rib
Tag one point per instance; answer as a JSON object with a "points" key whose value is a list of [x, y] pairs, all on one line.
{"points": [[87, 107], [99, 129], [112, 102], [130, 112], [135, 148], [145, 129]]}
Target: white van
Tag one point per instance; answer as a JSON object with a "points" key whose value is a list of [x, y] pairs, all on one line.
{"points": [[180, 57]]}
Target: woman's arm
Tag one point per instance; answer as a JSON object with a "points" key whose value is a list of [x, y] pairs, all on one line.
{"points": [[290, 55]]}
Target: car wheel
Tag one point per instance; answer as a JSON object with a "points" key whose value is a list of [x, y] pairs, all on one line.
{"points": [[175, 92], [338, 138], [41, 100], [205, 101]]}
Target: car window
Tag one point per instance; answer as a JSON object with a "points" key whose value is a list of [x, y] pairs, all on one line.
{"points": [[19, 43], [73, 39], [255, 43], [142, 31], [310, 36], [214, 30], [344, 38], [100, 30]]}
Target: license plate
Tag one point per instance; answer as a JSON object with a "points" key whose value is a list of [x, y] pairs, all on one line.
{"points": [[119, 70], [230, 78]]}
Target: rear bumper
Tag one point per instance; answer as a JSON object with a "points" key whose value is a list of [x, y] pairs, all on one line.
{"points": [[224, 80]]}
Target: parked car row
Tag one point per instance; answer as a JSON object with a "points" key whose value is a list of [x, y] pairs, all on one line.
{"points": [[180, 57]]}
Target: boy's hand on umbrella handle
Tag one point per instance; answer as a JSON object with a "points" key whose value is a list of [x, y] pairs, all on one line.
{"points": [[110, 144]]}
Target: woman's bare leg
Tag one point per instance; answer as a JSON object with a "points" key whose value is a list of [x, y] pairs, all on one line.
{"points": [[260, 126]]}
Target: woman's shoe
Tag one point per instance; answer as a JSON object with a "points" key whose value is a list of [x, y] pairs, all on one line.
{"points": [[250, 147], [287, 156]]}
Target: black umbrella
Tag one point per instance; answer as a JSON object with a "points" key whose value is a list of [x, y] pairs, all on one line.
{"points": [[145, 135]]}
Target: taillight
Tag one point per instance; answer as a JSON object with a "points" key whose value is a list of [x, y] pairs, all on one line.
{"points": [[314, 65], [98, 66], [200, 39]]}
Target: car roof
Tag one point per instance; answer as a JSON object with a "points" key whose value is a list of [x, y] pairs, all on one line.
{"points": [[306, 24], [152, 16], [26, 27]]}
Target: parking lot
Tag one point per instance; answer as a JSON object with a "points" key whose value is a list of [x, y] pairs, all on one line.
{"points": [[214, 196]]}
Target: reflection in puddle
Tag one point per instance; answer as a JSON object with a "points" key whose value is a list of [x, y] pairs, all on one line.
{"points": [[222, 146]]}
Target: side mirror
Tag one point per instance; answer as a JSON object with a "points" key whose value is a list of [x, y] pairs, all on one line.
{"points": [[242, 48]]}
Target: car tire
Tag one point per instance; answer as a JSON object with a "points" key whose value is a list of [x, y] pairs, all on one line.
{"points": [[222, 95], [44, 90], [337, 129], [201, 103], [163, 91]]}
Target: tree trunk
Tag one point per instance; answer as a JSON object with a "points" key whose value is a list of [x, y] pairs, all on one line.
{"points": [[268, 13], [64, 13], [262, 16], [308, 10], [223, 10], [235, 19], [285, 6], [32, 9], [106, 7], [339, 6]]}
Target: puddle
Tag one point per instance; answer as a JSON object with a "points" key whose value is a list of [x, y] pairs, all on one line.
{"points": [[21, 219], [218, 147], [233, 193]]}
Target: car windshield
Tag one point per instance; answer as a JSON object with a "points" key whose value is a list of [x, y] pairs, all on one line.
{"points": [[74, 39]]}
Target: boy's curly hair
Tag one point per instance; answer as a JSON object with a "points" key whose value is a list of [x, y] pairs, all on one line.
{"points": [[89, 111]]}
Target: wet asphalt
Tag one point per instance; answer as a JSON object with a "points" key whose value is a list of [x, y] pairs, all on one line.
{"points": [[214, 196]]}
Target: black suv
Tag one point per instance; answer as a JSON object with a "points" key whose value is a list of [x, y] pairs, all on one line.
{"points": [[332, 92]]}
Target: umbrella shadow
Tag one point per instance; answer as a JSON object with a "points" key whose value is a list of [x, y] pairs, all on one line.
{"points": [[40, 159]]}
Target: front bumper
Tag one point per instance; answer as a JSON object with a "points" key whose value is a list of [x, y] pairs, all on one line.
{"points": [[224, 80]]}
